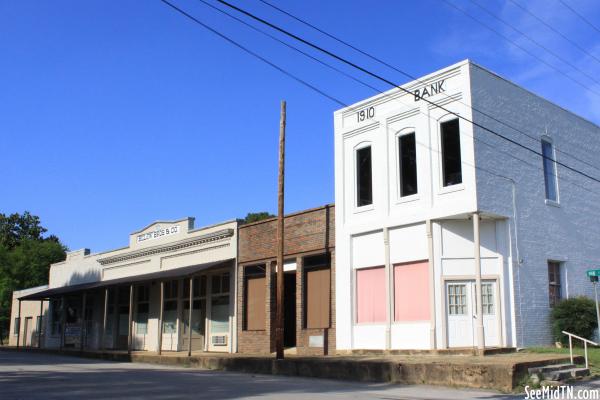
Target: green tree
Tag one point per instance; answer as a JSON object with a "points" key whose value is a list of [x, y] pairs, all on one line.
{"points": [[254, 217], [25, 258]]}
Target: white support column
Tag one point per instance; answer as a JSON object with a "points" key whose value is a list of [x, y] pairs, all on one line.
{"points": [[477, 245], [63, 321], [40, 325], [82, 327], [103, 336], [389, 289], [432, 339], [160, 317], [19, 325], [191, 307], [130, 321]]}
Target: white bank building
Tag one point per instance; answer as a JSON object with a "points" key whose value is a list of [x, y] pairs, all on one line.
{"points": [[171, 289], [452, 236]]}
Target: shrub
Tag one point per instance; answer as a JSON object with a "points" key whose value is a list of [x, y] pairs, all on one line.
{"points": [[576, 315]]}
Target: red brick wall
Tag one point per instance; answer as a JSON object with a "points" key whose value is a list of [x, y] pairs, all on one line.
{"points": [[306, 233]]}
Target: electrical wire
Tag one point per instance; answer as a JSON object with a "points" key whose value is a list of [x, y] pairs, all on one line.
{"points": [[374, 75], [410, 76]]}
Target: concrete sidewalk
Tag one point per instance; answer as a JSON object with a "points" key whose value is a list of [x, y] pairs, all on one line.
{"points": [[503, 372]]}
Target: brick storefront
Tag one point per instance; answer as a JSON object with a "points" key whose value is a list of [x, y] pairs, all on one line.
{"points": [[309, 236]]}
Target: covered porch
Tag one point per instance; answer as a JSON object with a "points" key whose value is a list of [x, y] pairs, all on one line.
{"points": [[189, 309]]}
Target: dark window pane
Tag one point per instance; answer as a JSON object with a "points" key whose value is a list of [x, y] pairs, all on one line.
{"points": [[216, 284], [186, 289], [451, 159], [225, 283], [196, 287], [364, 184], [408, 164], [203, 285], [549, 171]]}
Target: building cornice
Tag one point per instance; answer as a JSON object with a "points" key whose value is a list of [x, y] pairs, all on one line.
{"points": [[164, 248]]}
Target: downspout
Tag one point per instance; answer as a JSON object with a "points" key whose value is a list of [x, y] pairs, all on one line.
{"points": [[389, 288], [432, 341], [519, 261]]}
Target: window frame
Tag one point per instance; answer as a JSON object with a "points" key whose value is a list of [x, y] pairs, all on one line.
{"points": [[314, 263], [356, 296], [55, 317], [553, 298], [17, 326], [554, 174], [457, 186], [355, 150], [399, 197], [246, 276]]}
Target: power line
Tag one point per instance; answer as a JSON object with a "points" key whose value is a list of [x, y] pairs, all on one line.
{"points": [[410, 76], [374, 75], [553, 29], [537, 43], [241, 47], [523, 49], [553, 173], [584, 19], [241, 21]]}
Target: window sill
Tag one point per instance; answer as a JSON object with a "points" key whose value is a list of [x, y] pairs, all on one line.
{"points": [[362, 209], [407, 199], [552, 203], [452, 188]]}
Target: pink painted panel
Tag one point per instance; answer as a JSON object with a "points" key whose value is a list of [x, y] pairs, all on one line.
{"points": [[411, 291], [370, 293]]}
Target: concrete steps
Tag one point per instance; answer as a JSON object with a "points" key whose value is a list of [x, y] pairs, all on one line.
{"points": [[558, 372]]}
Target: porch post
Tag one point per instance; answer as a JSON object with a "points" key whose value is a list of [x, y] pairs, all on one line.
{"points": [[41, 324], [103, 336], [477, 243], [63, 319], [389, 289], [160, 316], [190, 316], [129, 325], [83, 299], [19, 325], [432, 339]]}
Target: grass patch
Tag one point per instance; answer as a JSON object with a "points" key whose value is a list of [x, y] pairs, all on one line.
{"points": [[593, 355]]}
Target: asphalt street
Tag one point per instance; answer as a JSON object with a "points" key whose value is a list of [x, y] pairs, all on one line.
{"points": [[26, 375]]}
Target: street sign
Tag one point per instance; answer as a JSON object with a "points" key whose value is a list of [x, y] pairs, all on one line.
{"points": [[593, 272]]}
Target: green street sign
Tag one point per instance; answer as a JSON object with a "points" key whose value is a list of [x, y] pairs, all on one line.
{"points": [[593, 272]]}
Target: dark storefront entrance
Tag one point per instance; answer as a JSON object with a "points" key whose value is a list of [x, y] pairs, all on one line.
{"points": [[289, 338]]}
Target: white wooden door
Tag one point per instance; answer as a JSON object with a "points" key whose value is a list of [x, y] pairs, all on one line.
{"points": [[459, 312], [490, 313]]}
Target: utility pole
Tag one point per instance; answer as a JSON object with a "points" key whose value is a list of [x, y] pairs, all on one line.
{"points": [[280, 235]]}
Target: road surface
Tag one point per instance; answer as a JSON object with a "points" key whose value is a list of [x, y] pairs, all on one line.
{"points": [[32, 375]]}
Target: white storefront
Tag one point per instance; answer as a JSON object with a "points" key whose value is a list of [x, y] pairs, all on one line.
{"points": [[116, 299], [415, 191]]}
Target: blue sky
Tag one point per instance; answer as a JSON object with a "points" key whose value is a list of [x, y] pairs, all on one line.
{"points": [[116, 114]]}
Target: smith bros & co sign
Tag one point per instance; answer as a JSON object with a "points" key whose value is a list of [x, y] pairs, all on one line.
{"points": [[158, 233]]}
